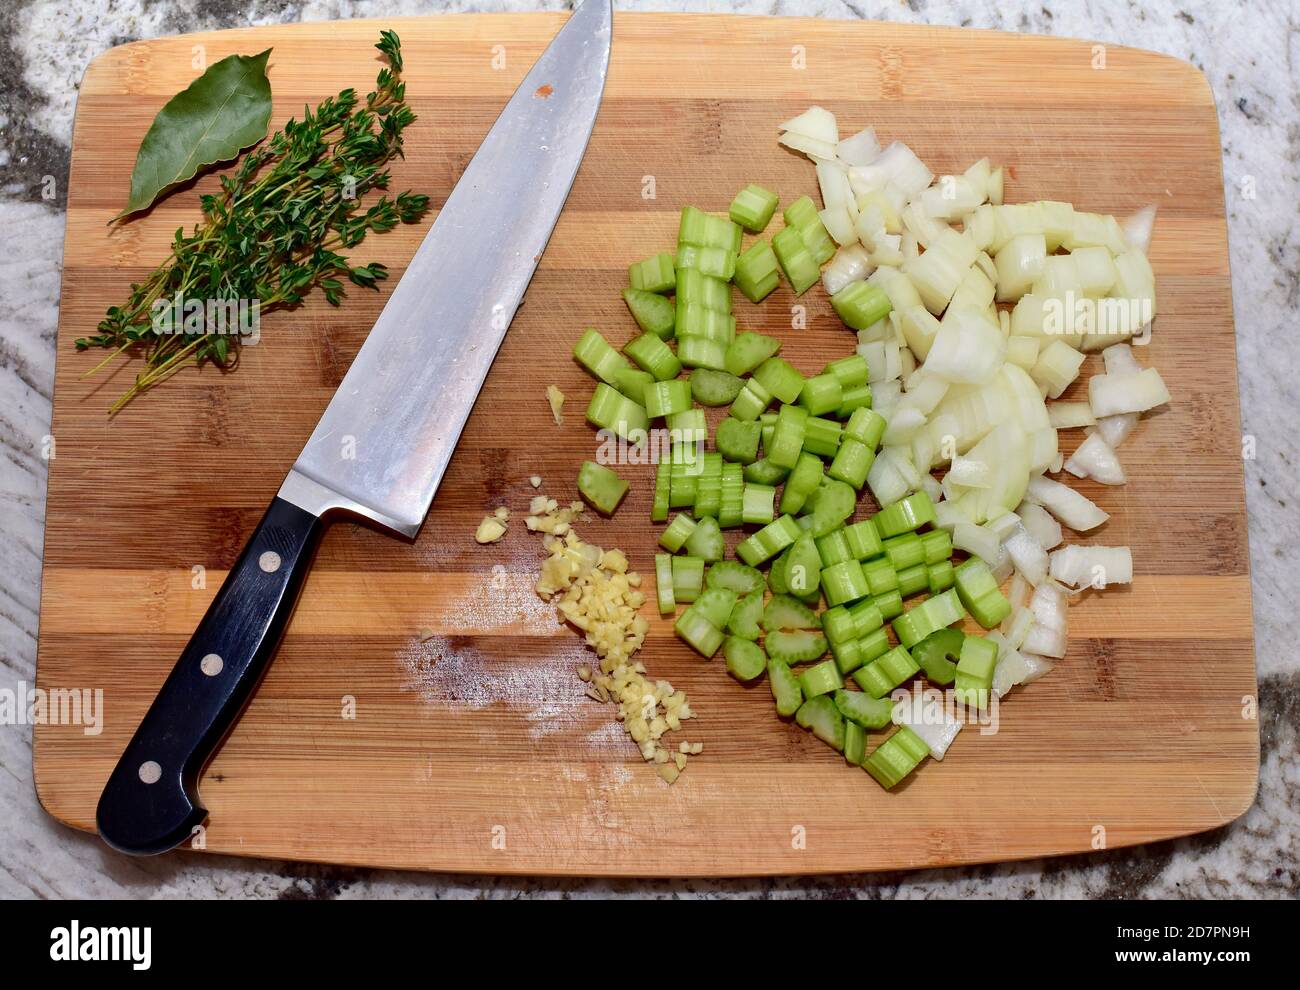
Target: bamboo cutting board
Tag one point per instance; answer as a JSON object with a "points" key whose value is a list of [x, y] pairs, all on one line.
{"points": [[477, 750]]}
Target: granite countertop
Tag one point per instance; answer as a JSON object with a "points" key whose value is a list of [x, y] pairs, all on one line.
{"points": [[1250, 59]]}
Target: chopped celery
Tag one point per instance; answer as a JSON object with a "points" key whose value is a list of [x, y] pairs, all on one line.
{"points": [[852, 463], [756, 269], [850, 372], [855, 398], [821, 716], [848, 656], [655, 274], [904, 550], [868, 618], [673, 538], [821, 394], [751, 401], [652, 355], [863, 710], [905, 515], [688, 578], [881, 576], [802, 568], [768, 541], [611, 410], [802, 215], [664, 398], [757, 504], [833, 548], [855, 742], [692, 626], [912, 580], [749, 350], [874, 645], [753, 208], [745, 660], [866, 426], [804, 479], [860, 304], [823, 678], [714, 262], [701, 352], [822, 436], [601, 487], [890, 604], [939, 576], [695, 320], [684, 469], [886, 672], [937, 545], [715, 604], [975, 667], [706, 540], [731, 509], [737, 440], [664, 584], [780, 378], [787, 437], [705, 230], [764, 472], [655, 314], [659, 506], [784, 612], [931, 615], [696, 290], [743, 621], [863, 539], [938, 653], [786, 691], [844, 582], [714, 388], [798, 263], [594, 353], [735, 576], [792, 646], [896, 757], [980, 593]]}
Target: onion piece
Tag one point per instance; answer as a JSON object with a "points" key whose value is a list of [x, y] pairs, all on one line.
{"points": [[1094, 459], [1137, 229], [977, 541], [929, 718], [1115, 429], [861, 148], [1038, 667], [1047, 635], [967, 349], [820, 150], [1027, 554], [1069, 415], [1092, 567], [1119, 360], [817, 123], [1040, 524], [849, 265], [1112, 394], [1075, 510]]}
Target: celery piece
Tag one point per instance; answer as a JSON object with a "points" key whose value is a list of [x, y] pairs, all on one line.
{"points": [[912, 580], [802, 215], [715, 604], [890, 604], [696, 290], [852, 462], [855, 743], [601, 487], [655, 274], [655, 314], [979, 657], [802, 568], [863, 539], [780, 378], [698, 631], [896, 757], [659, 505], [768, 541], [850, 372], [714, 388], [735, 576], [732, 507], [786, 691], [939, 576], [757, 504], [632, 382], [792, 646], [867, 618], [980, 593], [756, 272], [749, 350], [784, 612], [696, 320], [673, 538], [701, 352], [821, 394], [705, 230], [667, 397], [822, 436], [938, 653], [654, 356], [839, 625], [904, 550], [787, 437], [688, 578], [905, 515], [737, 440], [801, 269], [711, 261], [866, 426], [594, 353], [753, 208], [664, 584], [844, 582], [833, 548], [751, 402], [880, 576], [848, 656], [804, 479], [684, 469], [855, 398], [937, 545], [874, 645], [764, 472], [886, 672], [863, 710], [610, 410], [821, 716], [706, 540], [860, 304], [743, 621], [834, 500], [745, 660], [708, 490], [823, 678]]}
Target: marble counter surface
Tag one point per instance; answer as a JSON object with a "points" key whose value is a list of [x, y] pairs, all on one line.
{"points": [[1250, 55]]}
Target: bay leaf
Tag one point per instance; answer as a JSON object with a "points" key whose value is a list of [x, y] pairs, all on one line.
{"points": [[212, 120]]}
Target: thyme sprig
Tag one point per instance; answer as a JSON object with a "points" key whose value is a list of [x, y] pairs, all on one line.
{"points": [[275, 231]]}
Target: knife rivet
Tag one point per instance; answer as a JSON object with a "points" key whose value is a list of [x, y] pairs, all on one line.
{"points": [[211, 665], [269, 561], [150, 772]]}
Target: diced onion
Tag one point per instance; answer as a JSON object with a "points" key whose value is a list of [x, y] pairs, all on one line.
{"points": [[1094, 459], [1040, 524], [1112, 394], [1115, 429], [928, 717], [1092, 567], [817, 123], [860, 149], [1075, 510], [1137, 229]]}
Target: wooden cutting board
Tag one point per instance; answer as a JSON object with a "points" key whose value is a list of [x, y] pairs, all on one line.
{"points": [[477, 750]]}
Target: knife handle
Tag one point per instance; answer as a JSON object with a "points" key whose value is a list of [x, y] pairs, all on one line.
{"points": [[150, 803]]}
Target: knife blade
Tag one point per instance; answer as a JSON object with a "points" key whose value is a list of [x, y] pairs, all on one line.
{"points": [[384, 441]]}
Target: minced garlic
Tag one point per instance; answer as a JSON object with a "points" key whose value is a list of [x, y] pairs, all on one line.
{"points": [[594, 591], [556, 398], [491, 529]]}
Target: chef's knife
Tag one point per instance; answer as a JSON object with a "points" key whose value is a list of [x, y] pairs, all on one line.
{"points": [[380, 449]]}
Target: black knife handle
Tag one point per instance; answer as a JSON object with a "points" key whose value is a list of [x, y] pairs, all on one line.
{"points": [[150, 803]]}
